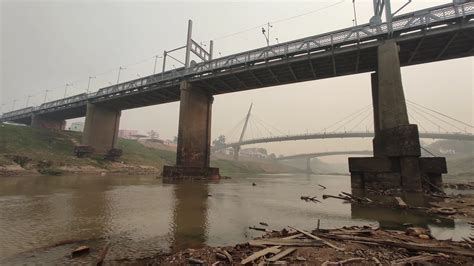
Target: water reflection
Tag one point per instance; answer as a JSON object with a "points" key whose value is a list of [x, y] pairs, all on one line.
{"points": [[189, 225]]}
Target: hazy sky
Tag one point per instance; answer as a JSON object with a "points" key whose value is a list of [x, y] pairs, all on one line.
{"points": [[46, 44]]}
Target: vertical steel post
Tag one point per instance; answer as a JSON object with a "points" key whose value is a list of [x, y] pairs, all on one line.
{"points": [[188, 44], [388, 17], [164, 63], [211, 49]]}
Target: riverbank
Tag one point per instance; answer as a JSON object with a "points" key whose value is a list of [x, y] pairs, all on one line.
{"points": [[27, 151]]}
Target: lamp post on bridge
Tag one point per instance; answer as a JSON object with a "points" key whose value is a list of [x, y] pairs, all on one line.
{"points": [[89, 83], [13, 104], [28, 100], [65, 89], [267, 31], [355, 14], [156, 60], [45, 95], [118, 77]]}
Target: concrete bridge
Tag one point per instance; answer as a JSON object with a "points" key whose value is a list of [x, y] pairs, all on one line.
{"points": [[429, 35], [309, 156]]}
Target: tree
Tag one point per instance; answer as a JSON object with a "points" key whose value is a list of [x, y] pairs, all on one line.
{"points": [[153, 134], [219, 142]]}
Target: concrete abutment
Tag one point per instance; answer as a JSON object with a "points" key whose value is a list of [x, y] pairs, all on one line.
{"points": [[194, 136], [43, 121], [396, 163]]}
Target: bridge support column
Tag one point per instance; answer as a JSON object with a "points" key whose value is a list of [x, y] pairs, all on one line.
{"points": [[194, 136], [236, 151], [43, 121], [101, 128], [396, 163], [308, 165]]}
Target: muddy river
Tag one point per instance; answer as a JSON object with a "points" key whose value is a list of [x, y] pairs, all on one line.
{"points": [[43, 218]]}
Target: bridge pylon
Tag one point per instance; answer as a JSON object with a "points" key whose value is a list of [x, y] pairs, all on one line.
{"points": [[396, 145]]}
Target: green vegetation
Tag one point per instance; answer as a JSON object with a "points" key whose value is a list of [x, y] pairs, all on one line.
{"points": [[47, 150]]}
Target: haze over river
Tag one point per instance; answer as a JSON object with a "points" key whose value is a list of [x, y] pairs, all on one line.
{"points": [[141, 216]]}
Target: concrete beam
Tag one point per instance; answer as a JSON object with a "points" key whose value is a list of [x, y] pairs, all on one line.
{"points": [[101, 128]]}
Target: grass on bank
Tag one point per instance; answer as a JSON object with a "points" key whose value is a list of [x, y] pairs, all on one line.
{"points": [[57, 147]]}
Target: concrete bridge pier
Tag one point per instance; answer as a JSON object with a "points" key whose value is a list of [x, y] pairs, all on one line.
{"points": [[43, 121], [236, 150], [194, 136], [101, 128], [396, 163], [308, 165]]}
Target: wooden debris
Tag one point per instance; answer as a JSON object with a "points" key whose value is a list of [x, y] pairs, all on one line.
{"points": [[413, 260], [195, 261], [337, 197], [377, 261], [342, 262], [228, 256], [299, 258], [308, 198], [317, 238], [103, 254], [261, 253], [282, 254], [293, 236], [285, 242], [446, 211], [359, 199], [322, 186], [407, 245], [80, 251], [264, 224], [261, 229], [401, 203], [220, 256]]}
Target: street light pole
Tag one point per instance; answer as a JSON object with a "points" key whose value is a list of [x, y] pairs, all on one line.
{"points": [[45, 95], [118, 77], [89, 83], [65, 89], [156, 60], [13, 104], [28, 100], [355, 14]]}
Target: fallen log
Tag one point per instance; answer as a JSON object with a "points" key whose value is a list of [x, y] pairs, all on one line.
{"points": [[317, 238], [342, 262], [401, 203], [336, 197], [282, 254], [260, 253], [285, 242], [406, 245], [103, 254]]}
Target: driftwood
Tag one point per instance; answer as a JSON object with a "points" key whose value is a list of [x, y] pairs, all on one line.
{"points": [[415, 259], [260, 253], [195, 261], [308, 198], [336, 197], [80, 251], [293, 236], [317, 238], [103, 254], [359, 199], [322, 186], [342, 262], [282, 254], [401, 203], [406, 245], [285, 242], [261, 229]]}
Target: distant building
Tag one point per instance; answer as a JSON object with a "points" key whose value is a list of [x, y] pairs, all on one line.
{"points": [[254, 152], [127, 134], [77, 126]]}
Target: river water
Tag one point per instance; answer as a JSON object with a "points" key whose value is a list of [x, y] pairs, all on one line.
{"points": [[141, 216]]}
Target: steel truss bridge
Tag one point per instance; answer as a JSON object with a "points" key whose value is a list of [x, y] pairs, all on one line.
{"points": [[434, 34]]}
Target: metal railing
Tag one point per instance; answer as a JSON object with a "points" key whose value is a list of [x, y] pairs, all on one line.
{"points": [[403, 23]]}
